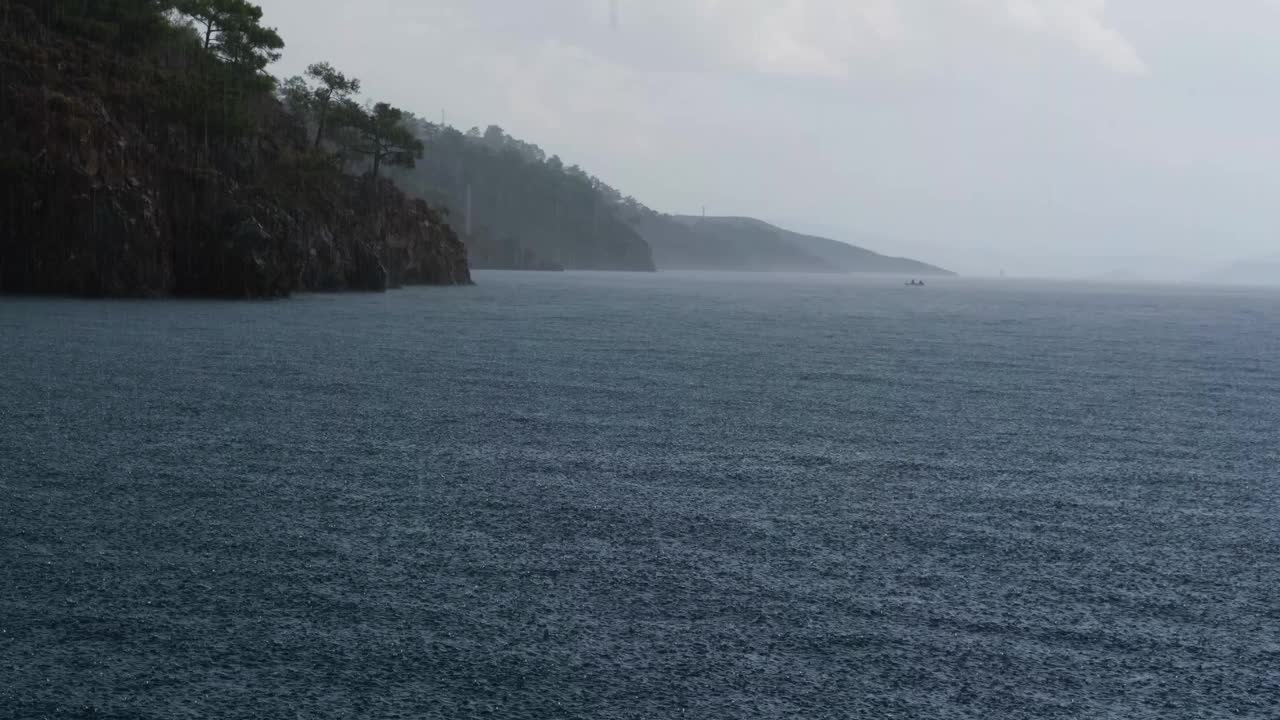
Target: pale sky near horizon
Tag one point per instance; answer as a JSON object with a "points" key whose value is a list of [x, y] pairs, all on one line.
{"points": [[1045, 137]]}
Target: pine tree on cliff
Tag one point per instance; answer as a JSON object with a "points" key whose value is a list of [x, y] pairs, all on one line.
{"points": [[234, 34], [380, 134], [318, 93], [251, 48], [233, 30]]}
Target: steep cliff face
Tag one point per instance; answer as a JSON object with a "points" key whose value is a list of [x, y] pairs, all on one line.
{"points": [[104, 193], [421, 249]]}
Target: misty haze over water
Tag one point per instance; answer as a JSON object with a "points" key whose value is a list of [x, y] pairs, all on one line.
{"points": [[1061, 138], [645, 496]]}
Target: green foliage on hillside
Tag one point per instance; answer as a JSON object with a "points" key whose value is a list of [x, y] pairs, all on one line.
{"points": [[526, 209], [129, 25], [203, 66], [378, 134], [145, 149], [319, 94]]}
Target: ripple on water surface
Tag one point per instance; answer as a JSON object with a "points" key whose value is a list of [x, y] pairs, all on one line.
{"points": [[599, 496]]}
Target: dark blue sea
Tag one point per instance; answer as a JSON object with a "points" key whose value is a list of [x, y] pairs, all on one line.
{"points": [[603, 496]]}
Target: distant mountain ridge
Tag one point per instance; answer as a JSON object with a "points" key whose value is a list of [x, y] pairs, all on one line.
{"points": [[522, 209], [683, 242]]}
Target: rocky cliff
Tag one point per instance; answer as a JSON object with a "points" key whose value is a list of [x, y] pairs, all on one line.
{"points": [[106, 190]]}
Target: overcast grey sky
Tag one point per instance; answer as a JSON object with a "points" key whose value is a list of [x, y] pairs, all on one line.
{"points": [[1042, 136]]}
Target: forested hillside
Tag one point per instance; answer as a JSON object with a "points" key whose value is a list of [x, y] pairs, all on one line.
{"points": [[526, 210], [144, 150]]}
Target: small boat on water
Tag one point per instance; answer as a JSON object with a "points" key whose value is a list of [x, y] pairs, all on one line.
{"points": [[915, 283]]}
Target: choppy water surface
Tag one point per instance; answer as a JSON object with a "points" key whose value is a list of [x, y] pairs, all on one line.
{"points": [[600, 496]]}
